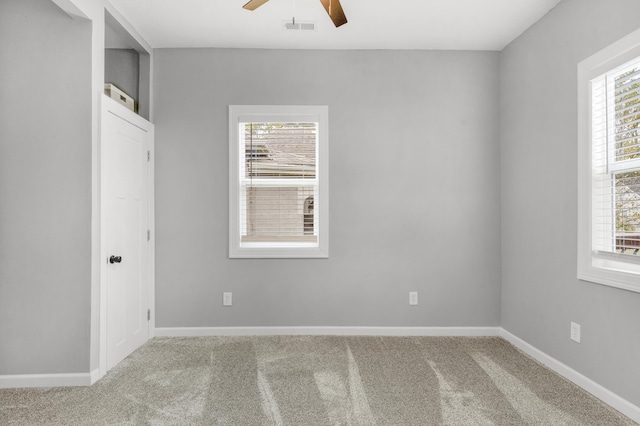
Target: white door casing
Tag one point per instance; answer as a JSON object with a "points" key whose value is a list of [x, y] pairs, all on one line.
{"points": [[126, 252]]}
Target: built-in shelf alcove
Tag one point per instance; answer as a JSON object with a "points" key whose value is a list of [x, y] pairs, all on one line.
{"points": [[127, 64]]}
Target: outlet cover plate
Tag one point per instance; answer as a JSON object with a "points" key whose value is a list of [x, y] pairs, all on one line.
{"points": [[227, 299], [575, 332]]}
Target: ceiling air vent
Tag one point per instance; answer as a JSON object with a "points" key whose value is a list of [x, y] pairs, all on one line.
{"points": [[298, 25]]}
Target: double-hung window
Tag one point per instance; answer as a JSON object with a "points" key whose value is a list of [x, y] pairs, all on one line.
{"points": [[609, 165], [278, 203]]}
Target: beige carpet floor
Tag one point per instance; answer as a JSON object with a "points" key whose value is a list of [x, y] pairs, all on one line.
{"points": [[319, 380]]}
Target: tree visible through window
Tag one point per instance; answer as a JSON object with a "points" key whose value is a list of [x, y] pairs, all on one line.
{"points": [[609, 165], [616, 151], [627, 150]]}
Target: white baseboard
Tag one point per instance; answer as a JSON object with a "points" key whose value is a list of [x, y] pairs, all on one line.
{"points": [[95, 375], [46, 380], [325, 331], [622, 405]]}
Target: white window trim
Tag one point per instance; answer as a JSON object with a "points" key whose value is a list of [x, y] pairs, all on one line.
{"points": [[257, 113], [615, 270]]}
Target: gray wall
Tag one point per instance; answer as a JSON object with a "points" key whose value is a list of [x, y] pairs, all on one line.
{"points": [[414, 189], [541, 294], [45, 189]]}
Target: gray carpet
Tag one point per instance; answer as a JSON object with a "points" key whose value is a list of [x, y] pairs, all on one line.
{"points": [[321, 380]]}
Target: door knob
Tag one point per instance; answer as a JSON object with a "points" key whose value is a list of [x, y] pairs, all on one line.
{"points": [[115, 259]]}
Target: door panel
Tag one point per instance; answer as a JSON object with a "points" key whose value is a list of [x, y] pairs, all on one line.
{"points": [[125, 217]]}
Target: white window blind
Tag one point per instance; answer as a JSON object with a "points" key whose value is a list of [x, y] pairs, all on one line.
{"points": [[278, 180], [615, 115]]}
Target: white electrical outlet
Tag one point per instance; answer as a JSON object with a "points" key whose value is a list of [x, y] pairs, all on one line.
{"points": [[575, 332], [227, 299], [413, 298]]}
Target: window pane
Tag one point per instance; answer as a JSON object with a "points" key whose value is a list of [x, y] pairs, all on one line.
{"points": [[280, 214], [627, 115], [627, 212], [280, 150]]}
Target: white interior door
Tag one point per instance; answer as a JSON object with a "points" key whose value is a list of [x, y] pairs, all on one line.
{"points": [[125, 215]]}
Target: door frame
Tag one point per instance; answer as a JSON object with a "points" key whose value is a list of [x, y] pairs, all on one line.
{"points": [[110, 106]]}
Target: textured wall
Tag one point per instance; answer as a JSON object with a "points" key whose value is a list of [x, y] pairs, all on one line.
{"points": [[45, 189], [541, 294], [414, 189]]}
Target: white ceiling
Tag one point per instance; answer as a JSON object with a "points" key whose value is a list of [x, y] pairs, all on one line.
{"points": [[373, 24]]}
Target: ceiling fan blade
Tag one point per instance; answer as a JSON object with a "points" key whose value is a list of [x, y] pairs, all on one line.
{"points": [[334, 9], [254, 4]]}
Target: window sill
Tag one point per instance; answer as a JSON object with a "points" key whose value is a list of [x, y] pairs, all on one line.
{"points": [[298, 252], [613, 269]]}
